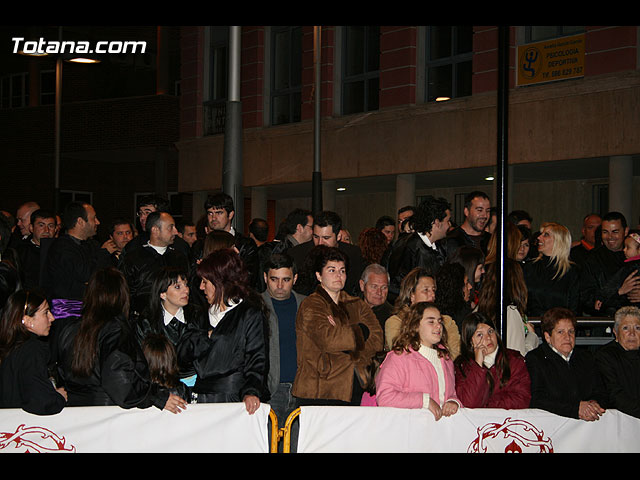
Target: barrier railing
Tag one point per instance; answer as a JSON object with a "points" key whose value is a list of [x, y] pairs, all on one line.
{"points": [[397, 430], [201, 428], [227, 428]]}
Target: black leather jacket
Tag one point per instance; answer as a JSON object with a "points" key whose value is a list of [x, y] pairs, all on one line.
{"points": [[120, 374], [233, 361], [193, 315], [140, 264], [599, 266], [24, 379], [408, 253]]}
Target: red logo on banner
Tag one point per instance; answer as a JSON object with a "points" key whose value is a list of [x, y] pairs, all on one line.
{"points": [[512, 436], [33, 440]]}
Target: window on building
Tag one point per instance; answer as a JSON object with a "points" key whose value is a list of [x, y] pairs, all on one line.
{"points": [[218, 66], [449, 51], [68, 196], [176, 202], [286, 74], [361, 69], [600, 198], [215, 106], [545, 32], [14, 90], [47, 87]]}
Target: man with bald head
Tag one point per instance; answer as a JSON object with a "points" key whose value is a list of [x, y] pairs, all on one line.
{"points": [[140, 263], [23, 221], [579, 250], [71, 259]]}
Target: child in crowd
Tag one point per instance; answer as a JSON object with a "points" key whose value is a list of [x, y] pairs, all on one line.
{"points": [[625, 279], [163, 364], [418, 372], [369, 396]]}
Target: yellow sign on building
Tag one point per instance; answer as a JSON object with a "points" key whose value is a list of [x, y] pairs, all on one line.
{"points": [[551, 60]]}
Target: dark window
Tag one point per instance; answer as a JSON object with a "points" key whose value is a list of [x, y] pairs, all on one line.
{"points": [[14, 90], [448, 63], [545, 32], [286, 74], [361, 69], [215, 107], [48, 87]]}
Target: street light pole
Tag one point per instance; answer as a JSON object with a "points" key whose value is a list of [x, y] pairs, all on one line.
{"points": [[232, 156], [501, 174], [58, 105], [316, 179]]}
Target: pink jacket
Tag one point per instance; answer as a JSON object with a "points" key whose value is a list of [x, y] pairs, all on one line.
{"points": [[403, 378]]}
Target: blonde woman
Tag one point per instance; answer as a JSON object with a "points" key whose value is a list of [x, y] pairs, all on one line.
{"points": [[552, 279]]}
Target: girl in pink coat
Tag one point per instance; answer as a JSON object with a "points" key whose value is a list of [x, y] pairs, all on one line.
{"points": [[418, 372]]}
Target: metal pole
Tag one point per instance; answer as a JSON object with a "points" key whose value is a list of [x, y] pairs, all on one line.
{"points": [[316, 180], [56, 154], [232, 160], [501, 173]]}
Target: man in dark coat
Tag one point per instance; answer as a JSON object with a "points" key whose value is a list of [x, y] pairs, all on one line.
{"points": [[374, 284], [141, 262], [601, 263], [146, 205], [580, 249], [220, 214], [70, 260], [423, 247], [326, 226], [43, 225], [477, 208]]}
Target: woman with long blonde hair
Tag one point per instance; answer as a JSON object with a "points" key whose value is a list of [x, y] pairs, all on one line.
{"points": [[552, 279]]}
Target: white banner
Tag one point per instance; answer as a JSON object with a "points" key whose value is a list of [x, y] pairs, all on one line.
{"points": [[396, 430], [222, 427], [228, 428]]}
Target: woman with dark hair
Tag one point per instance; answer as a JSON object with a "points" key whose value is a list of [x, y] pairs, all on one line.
{"points": [[213, 240], [337, 336], [453, 295], [418, 286], [169, 312], [488, 375], [373, 243], [230, 355], [162, 358], [472, 259], [527, 247], [564, 379], [24, 378], [521, 335], [418, 372], [218, 240], [99, 360]]}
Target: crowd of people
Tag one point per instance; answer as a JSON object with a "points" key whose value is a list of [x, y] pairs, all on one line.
{"points": [[405, 314]]}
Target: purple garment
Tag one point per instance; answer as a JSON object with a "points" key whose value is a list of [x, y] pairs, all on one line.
{"points": [[63, 308]]}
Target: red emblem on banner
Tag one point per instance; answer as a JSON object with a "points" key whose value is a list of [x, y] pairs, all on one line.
{"points": [[511, 436], [33, 440]]}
